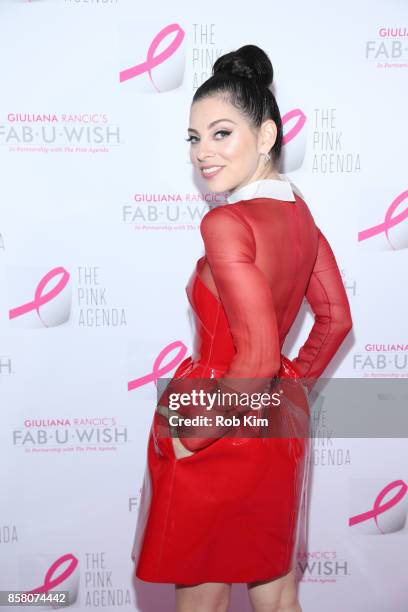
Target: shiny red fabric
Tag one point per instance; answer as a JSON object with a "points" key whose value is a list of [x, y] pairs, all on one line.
{"points": [[231, 512]]}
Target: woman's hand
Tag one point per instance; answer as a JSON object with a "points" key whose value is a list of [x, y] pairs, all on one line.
{"points": [[179, 449]]}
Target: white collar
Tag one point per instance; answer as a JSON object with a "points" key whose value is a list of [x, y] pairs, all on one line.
{"points": [[278, 189]]}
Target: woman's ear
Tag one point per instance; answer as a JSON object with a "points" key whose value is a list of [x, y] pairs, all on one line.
{"points": [[268, 134]]}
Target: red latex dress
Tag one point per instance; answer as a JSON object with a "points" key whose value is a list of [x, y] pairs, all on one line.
{"points": [[231, 511]]}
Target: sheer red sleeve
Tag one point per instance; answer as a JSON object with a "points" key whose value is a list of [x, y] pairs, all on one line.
{"points": [[249, 307], [332, 318], [244, 293]]}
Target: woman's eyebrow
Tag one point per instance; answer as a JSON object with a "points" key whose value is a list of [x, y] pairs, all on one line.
{"points": [[210, 124]]}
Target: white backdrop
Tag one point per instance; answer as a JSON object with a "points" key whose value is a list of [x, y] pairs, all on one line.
{"points": [[99, 232]]}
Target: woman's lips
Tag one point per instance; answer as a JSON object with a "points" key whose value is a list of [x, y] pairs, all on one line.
{"points": [[208, 175]]}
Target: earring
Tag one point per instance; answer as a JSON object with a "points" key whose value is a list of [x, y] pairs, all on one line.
{"points": [[267, 158]]}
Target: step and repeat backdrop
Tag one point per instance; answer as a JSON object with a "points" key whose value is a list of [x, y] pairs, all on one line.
{"points": [[99, 233]]}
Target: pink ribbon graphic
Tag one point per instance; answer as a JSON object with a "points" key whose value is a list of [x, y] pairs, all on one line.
{"points": [[377, 507], [389, 221], [152, 61], [39, 298], [157, 370], [294, 131], [49, 582]]}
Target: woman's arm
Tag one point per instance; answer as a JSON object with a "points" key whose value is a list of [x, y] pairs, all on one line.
{"points": [[244, 293], [328, 299], [249, 307]]}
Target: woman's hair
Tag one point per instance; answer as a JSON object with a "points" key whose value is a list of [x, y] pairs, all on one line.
{"points": [[243, 78]]}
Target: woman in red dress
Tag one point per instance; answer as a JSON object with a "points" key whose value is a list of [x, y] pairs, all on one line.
{"points": [[219, 508]]}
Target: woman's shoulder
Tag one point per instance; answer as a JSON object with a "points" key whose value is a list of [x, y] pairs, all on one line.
{"points": [[225, 224], [224, 215]]}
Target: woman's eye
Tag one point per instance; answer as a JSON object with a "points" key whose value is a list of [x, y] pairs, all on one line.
{"points": [[191, 138], [223, 132]]}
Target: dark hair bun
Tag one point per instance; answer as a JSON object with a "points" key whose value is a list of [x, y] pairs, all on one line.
{"points": [[249, 62]]}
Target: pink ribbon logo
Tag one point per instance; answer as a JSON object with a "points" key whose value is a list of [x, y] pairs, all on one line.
{"points": [[380, 509], [389, 220], [298, 125], [158, 371], [41, 298], [153, 60], [49, 581]]}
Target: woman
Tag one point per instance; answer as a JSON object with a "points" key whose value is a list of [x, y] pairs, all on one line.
{"points": [[217, 508]]}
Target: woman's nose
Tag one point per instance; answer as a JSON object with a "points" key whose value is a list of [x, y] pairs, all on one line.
{"points": [[204, 151]]}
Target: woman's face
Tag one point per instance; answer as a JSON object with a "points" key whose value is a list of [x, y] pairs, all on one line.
{"points": [[222, 141]]}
